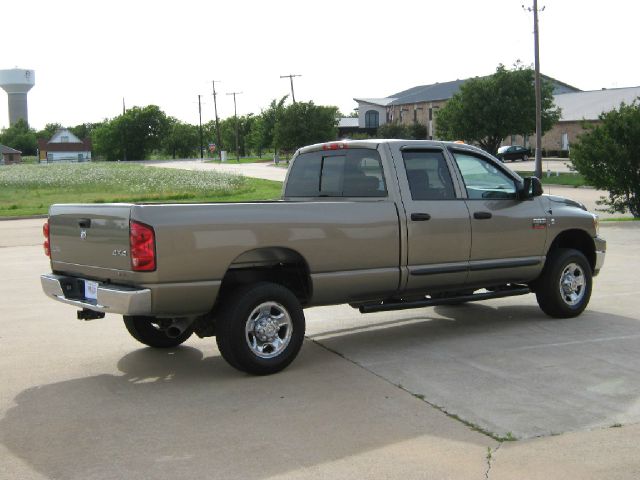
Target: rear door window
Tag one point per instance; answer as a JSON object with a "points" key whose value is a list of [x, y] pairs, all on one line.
{"points": [[347, 173]]}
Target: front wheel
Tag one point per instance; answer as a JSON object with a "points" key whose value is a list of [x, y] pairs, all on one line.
{"points": [[260, 328], [564, 287], [158, 333]]}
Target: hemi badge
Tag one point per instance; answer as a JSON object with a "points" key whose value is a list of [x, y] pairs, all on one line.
{"points": [[539, 223]]}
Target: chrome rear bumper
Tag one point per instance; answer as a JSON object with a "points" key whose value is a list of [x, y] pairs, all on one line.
{"points": [[110, 298]]}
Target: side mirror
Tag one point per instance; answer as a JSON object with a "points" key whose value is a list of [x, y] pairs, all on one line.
{"points": [[531, 187]]}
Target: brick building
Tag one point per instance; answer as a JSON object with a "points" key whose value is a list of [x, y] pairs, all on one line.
{"points": [[420, 104], [9, 155]]}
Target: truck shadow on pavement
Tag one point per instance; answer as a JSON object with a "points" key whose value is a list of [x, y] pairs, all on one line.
{"points": [[509, 370], [176, 413]]}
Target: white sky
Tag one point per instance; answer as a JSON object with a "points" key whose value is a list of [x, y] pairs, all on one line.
{"points": [[88, 55]]}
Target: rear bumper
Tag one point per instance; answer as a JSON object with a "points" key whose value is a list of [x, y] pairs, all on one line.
{"points": [[110, 298]]}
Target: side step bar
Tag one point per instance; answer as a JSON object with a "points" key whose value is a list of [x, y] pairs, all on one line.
{"points": [[389, 306]]}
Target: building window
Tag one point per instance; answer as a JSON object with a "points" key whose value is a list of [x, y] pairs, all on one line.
{"points": [[371, 119], [430, 113]]}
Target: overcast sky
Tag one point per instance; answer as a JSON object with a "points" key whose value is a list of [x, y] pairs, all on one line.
{"points": [[88, 55]]}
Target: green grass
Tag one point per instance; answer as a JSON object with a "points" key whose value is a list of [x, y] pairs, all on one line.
{"points": [[569, 179], [30, 189]]}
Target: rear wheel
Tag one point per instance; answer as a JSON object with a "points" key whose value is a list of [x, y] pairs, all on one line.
{"points": [[260, 328], [158, 333], [564, 288]]}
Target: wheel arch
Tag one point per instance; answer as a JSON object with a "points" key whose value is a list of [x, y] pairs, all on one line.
{"points": [[280, 265], [579, 240]]}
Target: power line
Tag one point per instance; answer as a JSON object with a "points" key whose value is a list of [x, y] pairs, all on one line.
{"points": [[290, 77]]}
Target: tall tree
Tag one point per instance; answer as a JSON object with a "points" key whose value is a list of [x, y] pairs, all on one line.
{"points": [[304, 123], [607, 156], [488, 109], [133, 135]]}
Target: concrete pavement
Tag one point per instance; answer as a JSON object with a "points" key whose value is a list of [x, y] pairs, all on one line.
{"points": [[84, 400]]}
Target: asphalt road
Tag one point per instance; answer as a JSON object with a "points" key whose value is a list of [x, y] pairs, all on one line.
{"points": [[365, 399]]}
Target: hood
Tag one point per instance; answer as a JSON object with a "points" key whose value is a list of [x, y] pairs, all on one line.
{"points": [[566, 201]]}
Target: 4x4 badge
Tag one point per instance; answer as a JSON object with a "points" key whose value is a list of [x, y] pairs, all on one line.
{"points": [[539, 223]]}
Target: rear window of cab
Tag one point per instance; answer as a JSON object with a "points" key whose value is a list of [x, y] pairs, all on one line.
{"points": [[344, 173]]}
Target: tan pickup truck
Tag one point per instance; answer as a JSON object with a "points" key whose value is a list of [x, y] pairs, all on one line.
{"points": [[378, 224]]}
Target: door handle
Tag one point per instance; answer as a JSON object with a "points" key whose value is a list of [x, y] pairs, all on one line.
{"points": [[482, 215], [420, 217], [84, 223]]}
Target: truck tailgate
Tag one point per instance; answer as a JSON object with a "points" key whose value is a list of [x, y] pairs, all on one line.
{"points": [[90, 235]]}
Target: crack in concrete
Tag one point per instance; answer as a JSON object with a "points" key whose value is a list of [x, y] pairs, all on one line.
{"points": [[490, 459]]}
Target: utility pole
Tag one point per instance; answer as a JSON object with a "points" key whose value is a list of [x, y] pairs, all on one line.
{"points": [[235, 115], [290, 77], [536, 47], [124, 134], [215, 108], [200, 115]]}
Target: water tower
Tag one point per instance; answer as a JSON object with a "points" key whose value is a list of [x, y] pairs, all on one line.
{"points": [[17, 82]]}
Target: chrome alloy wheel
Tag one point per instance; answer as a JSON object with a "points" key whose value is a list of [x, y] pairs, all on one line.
{"points": [[268, 330], [572, 284]]}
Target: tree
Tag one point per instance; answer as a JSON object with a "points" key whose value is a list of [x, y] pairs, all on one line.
{"points": [[20, 137], [83, 130], [182, 139], [414, 131], [133, 135], [488, 109], [269, 120], [48, 130], [305, 123], [607, 156]]}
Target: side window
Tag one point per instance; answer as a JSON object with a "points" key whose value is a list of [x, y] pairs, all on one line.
{"points": [[482, 179], [351, 173], [428, 175]]}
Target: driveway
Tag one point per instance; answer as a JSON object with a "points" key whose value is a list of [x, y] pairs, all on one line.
{"points": [[389, 395]]}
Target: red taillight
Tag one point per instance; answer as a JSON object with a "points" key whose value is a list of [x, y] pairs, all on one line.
{"points": [[142, 244], [47, 239], [335, 146]]}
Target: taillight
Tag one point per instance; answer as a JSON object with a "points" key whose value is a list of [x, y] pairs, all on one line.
{"points": [[142, 243], [47, 239], [335, 146]]}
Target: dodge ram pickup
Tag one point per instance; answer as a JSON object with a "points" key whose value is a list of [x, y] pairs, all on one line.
{"points": [[378, 224]]}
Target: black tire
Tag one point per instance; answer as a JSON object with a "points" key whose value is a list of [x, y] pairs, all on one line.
{"points": [[145, 330], [571, 268], [238, 333]]}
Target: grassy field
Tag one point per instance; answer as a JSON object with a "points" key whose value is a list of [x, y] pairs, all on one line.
{"points": [[30, 189], [570, 179]]}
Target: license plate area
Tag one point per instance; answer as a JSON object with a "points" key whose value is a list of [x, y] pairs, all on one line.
{"points": [[90, 290]]}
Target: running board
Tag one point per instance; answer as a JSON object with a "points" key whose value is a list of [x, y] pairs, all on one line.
{"points": [[386, 307]]}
